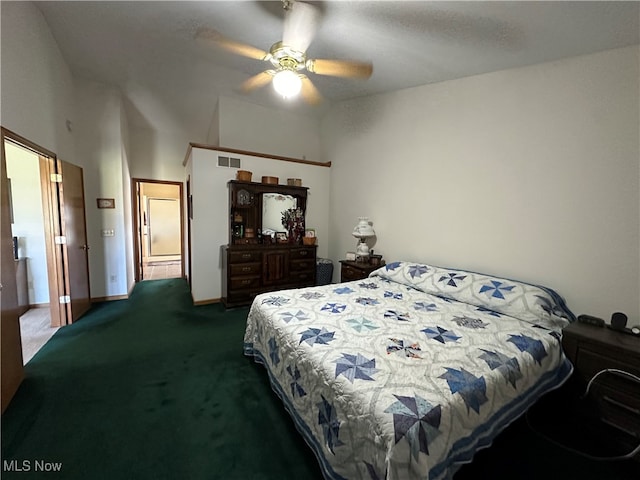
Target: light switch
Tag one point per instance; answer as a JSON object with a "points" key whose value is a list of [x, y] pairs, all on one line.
{"points": [[107, 233]]}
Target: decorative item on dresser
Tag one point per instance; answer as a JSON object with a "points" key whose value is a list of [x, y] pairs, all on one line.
{"points": [[263, 254], [607, 367], [351, 270]]}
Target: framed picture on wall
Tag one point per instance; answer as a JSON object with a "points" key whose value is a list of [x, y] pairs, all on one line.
{"points": [[106, 203]]}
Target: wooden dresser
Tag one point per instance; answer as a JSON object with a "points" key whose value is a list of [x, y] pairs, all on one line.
{"points": [[616, 396], [250, 270], [253, 264]]}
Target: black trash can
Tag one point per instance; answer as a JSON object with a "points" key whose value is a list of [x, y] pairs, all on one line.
{"points": [[324, 271]]}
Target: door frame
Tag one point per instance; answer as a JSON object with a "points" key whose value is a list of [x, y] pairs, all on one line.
{"points": [[137, 227], [52, 216]]}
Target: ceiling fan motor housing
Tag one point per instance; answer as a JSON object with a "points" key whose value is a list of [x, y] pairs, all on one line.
{"points": [[286, 58]]}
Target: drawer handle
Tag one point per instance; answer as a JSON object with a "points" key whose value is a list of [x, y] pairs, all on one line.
{"points": [[304, 253], [246, 255], [246, 282], [619, 404], [246, 269]]}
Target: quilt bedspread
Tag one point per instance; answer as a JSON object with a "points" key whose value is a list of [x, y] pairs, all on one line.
{"points": [[406, 374]]}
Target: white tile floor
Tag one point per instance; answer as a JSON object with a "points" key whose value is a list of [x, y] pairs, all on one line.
{"points": [[158, 269]]}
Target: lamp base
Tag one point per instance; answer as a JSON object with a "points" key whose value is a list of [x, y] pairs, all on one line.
{"points": [[362, 251]]}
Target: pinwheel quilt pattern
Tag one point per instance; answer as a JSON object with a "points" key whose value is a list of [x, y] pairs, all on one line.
{"points": [[406, 374]]}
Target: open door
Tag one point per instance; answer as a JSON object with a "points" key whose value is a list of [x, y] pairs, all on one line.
{"points": [[66, 239], [75, 247], [11, 346]]}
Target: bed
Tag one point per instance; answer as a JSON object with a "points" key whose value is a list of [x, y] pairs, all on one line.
{"points": [[407, 373]]}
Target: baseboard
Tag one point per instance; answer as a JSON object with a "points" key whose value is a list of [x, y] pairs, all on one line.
{"points": [[110, 298], [207, 302], [39, 305]]}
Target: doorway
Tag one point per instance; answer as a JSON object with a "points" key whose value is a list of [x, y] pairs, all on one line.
{"points": [[158, 229], [29, 248], [48, 232]]}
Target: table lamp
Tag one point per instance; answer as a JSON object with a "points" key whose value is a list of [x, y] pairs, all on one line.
{"points": [[362, 231]]}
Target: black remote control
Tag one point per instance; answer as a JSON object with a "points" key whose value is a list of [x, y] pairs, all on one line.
{"points": [[591, 320]]}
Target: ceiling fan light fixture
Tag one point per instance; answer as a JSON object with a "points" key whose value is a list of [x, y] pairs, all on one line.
{"points": [[287, 83]]}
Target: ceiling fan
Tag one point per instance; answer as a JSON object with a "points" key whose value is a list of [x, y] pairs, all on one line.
{"points": [[288, 57]]}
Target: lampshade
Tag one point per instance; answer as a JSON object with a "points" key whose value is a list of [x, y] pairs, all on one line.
{"points": [[363, 229], [287, 83]]}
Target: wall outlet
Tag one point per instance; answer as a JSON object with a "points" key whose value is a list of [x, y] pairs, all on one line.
{"points": [[113, 278], [107, 232]]}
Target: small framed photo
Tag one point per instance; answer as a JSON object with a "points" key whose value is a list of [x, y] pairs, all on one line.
{"points": [[351, 256], [310, 233], [281, 237], [106, 203]]}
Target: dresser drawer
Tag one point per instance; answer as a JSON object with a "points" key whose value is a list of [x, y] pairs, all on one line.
{"points": [[244, 269], [589, 363], [244, 282], [617, 395], [619, 409], [350, 273], [306, 278], [302, 265], [241, 296], [302, 253], [250, 256]]}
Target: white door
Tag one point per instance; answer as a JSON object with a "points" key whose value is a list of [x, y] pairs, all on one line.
{"points": [[164, 226]]}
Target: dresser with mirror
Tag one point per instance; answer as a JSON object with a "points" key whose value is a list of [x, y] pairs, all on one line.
{"points": [[262, 254]]}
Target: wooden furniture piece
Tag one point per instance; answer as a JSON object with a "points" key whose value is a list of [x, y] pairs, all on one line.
{"points": [[253, 263], [593, 349], [350, 270]]}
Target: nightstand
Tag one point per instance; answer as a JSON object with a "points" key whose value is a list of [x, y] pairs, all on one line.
{"points": [[616, 397], [350, 271]]}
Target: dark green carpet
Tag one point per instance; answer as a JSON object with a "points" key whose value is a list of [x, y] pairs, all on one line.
{"points": [[154, 388]]}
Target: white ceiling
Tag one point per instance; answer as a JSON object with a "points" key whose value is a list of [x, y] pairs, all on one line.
{"points": [[147, 48]]}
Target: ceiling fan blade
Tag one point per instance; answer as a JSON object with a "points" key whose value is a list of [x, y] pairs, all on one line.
{"points": [[212, 36], [300, 26], [257, 81], [340, 68], [309, 92]]}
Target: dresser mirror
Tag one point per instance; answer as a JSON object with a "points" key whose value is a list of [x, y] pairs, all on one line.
{"points": [[273, 206]]}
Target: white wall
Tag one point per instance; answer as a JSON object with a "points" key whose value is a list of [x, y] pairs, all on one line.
{"points": [[530, 173], [24, 171], [37, 85], [127, 200], [210, 225], [100, 145], [39, 96], [247, 126]]}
